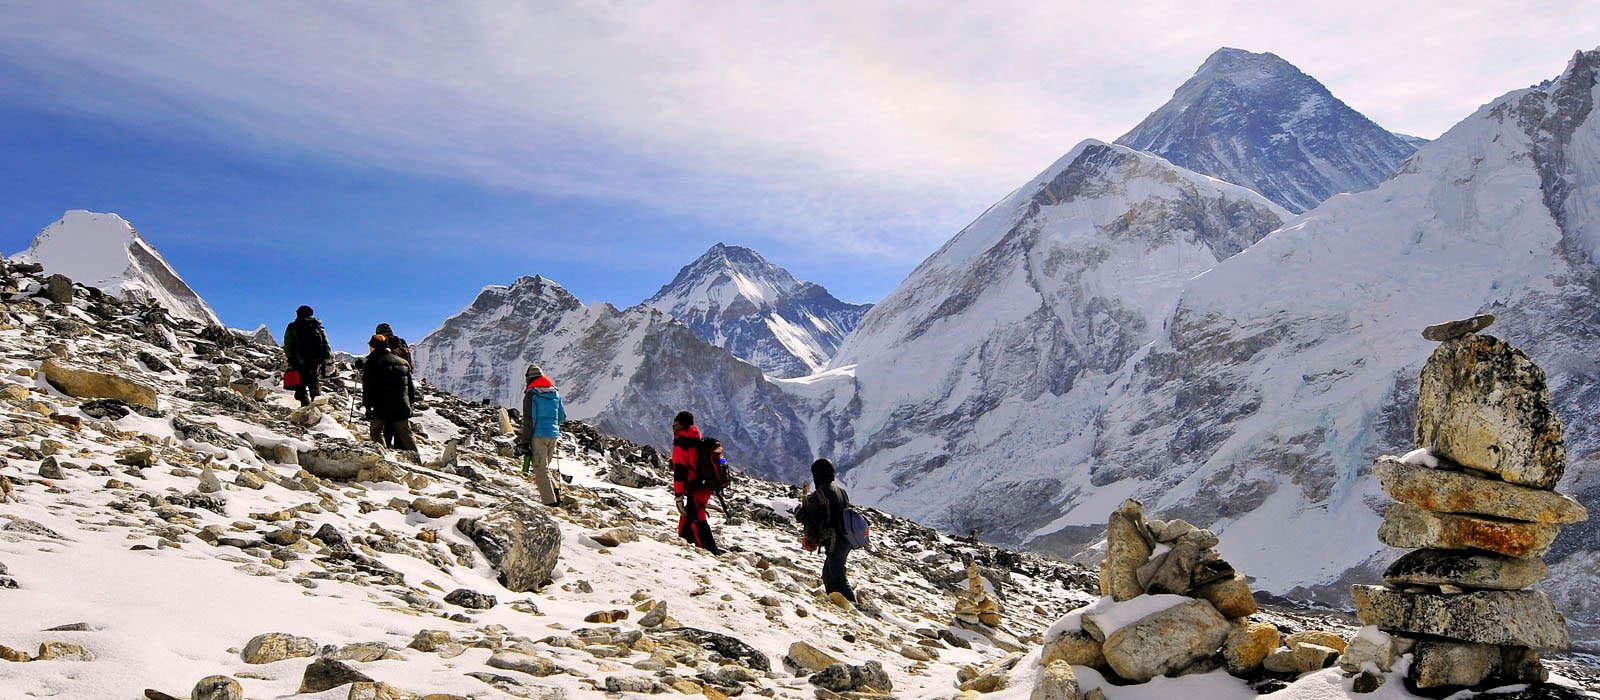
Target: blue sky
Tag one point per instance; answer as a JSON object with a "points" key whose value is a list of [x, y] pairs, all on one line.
{"points": [[384, 165]]}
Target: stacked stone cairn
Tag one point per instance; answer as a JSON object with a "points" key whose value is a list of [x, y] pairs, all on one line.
{"points": [[1476, 505], [1157, 565]]}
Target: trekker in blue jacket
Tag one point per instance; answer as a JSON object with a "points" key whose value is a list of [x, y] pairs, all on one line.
{"points": [[542, 414]]}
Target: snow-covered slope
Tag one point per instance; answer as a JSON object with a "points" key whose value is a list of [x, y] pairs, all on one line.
{"points": [[734, 299], [1255, 120], [1286, 369], [103, 250], [964, 394], [627, 371]]}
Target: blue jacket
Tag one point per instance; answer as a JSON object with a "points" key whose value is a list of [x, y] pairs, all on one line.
{"points": [[542, 412]]}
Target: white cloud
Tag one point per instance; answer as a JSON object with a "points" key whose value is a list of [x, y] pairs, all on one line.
{"points": [[878, 127]]}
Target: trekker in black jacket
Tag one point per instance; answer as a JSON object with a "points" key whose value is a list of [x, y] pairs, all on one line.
{"points": [[825, 509], [396, 343], [387, 393], [305, 346]]}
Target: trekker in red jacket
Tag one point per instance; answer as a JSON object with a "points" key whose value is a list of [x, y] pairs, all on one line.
{"points": [[688, 488]]}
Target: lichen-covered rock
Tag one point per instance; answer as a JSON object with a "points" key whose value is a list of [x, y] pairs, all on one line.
{"points": [[1056, 682], [1443, 663], [1450, 330], [341, 460], [804, 656], [1483, 404], [1165, 641], [1443, 491], [84, 383], [1318, 637], [1300, 657], [1230, 596], [1454, 567], [1128, 547], [277, 646], [1513, 618], [1247, 645], [1171, 571], [521, 543], [1373, 646], [326, 674], [524, 662], [1408, 526], [1076, 647], [217, 688]]}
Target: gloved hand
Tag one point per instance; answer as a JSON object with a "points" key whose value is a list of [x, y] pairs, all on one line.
{"points": [[683, 503]]}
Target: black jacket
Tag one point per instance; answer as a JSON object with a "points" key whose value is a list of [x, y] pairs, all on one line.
{"points": [[386, 387], [304, 343], [826, 508]]}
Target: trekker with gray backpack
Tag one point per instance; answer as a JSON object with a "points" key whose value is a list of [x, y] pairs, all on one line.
{"points": [[829, 522]]}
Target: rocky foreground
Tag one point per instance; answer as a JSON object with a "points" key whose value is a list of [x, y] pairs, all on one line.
{"points": [[171, 527]]}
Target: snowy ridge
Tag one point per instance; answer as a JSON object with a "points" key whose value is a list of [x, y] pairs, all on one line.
{"points": [[104, 251], [1256, 120], [733, 298]]}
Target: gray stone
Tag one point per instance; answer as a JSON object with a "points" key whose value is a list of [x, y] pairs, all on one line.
{"points": [[1171, 571], [1128, 547], [276, 646], [49, 468], [1513, 618], [524, 663], [1443, 663], [433, 507], [846, 678], [521, 543], [1166, 641], [363, 652], [630, 684], [1408, 526], [209, 483], [1450, 330], [656, 616], [341, 460], [1056, 682], [1453, 567], [217, 688], [1367, 682], [470, 599], [1483, 404], [1443, 491], [327, 674], [1377, 649]]}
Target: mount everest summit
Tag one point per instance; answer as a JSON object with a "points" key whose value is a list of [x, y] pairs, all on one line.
{"points": [[104, 251], [1254, 119]]}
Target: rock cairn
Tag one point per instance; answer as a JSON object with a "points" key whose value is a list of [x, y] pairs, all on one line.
{"points": [[1476, 504]]}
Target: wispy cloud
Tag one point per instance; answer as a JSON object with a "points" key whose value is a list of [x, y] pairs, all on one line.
{"points": [[873, 127]]}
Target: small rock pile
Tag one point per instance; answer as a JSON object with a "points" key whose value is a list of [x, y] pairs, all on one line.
{"points": [[1476, 504]]}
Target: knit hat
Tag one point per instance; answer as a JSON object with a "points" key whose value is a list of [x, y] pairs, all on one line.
{"points": [[378, 341], [303, 312], [533, 371], [684, 419], [822, 472], [384, 329]]}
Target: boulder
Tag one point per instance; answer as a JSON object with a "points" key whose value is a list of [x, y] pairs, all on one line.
{"points": [[1444, 663], [1452, 567], [616, 536], [217, 688], [470, 599], [1300, 658], [847, 678], [1128, 547], [1374, 646], [341, 460], [1408, 526], [1230, 596], [1076, 647], [521, 543], [524, 662], [1170, 572], [83, 383], [804, 656], [327, 674], [730, 648], [57, 288], [1318, 637], [433, 507], [1165, 641], [1483, 404], [277, 646], [1443, 491], [1056, 682], [363, 652], [66, 651], [1514, 618], [1450, 330], [1247, 645]]}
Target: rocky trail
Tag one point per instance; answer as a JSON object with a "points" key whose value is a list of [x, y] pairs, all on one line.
{"points": [[171, 526]]}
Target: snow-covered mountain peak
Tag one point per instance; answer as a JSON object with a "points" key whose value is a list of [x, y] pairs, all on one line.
{"points": [[733, 298], [104, 251], [1256, 120]]}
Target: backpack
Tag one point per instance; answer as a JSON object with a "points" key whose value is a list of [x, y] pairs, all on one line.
{"points": [[812, 514], [857, 531], [711, 469]]}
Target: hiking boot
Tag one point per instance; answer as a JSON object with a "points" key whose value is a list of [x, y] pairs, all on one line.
{"points": [[839, 600]]}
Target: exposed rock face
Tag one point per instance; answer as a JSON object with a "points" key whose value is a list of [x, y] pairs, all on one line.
{"points": [[1487, 406], [1166, 641], [1408, 526], [521, 543], [1434, 567], [1514, 618], [85, 383], [1254, 119], [1444, 491]]}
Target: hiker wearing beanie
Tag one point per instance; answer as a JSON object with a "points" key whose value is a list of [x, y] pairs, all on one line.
{"points": [[688, 489], [542, 415], [386, 394], [397, 344], [305, 346], [823, 514]]}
